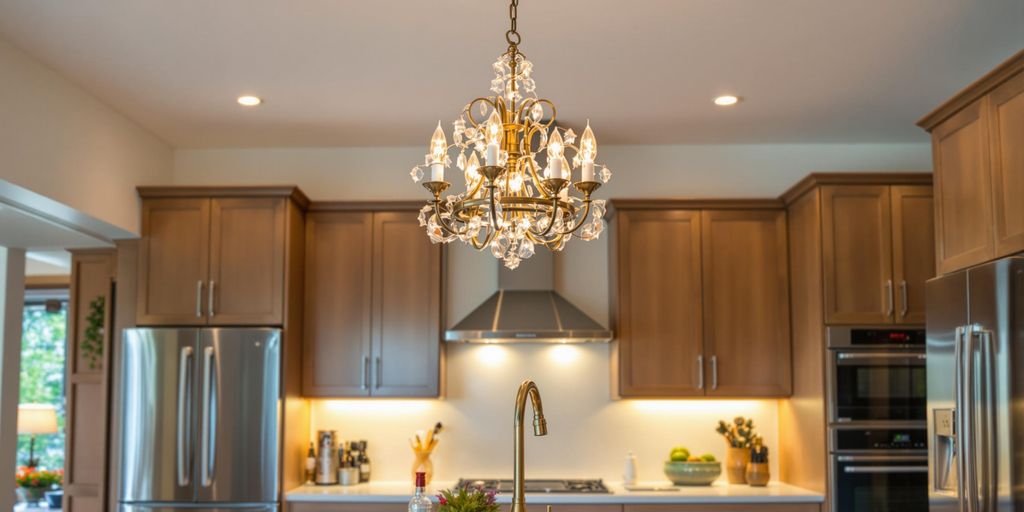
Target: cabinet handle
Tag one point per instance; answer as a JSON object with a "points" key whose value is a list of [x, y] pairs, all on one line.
{"points": [[700, 371], [904, 301], [366, 373], [714, 373], [378, 372], [210, 298], [889, 302], [199, 299]]}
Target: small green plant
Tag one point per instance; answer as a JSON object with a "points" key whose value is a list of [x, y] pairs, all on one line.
{"points": [[467, 499], [92, 341], [739, 433]]}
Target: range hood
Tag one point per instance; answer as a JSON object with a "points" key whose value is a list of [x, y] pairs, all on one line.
{"points": [[526, 309]]}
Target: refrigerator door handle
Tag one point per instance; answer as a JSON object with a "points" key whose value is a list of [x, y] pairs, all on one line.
{"points": [[969, 423], [184, 442], [208, 432], [990, 481], [959, 423]]}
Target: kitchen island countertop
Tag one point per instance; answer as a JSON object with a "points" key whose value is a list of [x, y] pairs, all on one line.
{"points": [[399, 492]]}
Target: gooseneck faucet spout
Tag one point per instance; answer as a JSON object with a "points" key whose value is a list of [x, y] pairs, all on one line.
{"points": [[540, 428]]}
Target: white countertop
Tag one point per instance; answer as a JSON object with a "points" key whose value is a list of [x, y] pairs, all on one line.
{"points": [[400, 492]]}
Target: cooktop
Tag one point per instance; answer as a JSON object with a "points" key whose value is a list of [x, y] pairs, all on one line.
{"points": [[595, 486]]}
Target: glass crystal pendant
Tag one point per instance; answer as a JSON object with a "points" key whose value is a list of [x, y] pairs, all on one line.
{"points": [[526, 182]]}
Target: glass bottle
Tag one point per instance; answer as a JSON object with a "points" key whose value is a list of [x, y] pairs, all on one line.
{"points": [[420, 501], [364, 463]]}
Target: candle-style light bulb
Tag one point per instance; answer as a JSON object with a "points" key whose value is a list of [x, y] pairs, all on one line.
{"points": [[556, 152], [493, 131], [588, 152], [438, 149], [472, 169]]}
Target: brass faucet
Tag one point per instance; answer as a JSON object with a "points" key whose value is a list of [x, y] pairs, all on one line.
{"points": [[540, 428]]}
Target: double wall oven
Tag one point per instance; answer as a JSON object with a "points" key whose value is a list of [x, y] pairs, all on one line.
{"points": [[877, 398]]}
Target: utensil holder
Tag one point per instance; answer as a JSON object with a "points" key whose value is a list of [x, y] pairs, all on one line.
{"points": [[736, 460], [423, 464]]}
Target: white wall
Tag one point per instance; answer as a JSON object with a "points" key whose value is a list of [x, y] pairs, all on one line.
{"points": [[589, 434], [59, 141]]}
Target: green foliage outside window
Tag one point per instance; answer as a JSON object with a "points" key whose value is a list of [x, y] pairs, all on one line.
{"points": [[42, 378]]}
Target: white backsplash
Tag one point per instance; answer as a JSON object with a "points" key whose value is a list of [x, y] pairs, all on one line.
{"points": [[589, 433]]}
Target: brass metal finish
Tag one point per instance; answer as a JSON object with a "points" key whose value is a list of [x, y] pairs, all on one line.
{"points": [[540, 428], [587, 187], [436, 187]]}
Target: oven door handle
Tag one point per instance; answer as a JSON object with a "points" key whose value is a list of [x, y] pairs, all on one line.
{"points": [[882, 458], [885, 469], [851, 356]]}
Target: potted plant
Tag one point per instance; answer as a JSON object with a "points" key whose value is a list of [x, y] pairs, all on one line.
{"points": [[739, 434], [467, 499], [33, 483]]}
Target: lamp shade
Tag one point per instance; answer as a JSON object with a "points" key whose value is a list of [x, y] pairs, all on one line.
{"points": [[37, 419]]}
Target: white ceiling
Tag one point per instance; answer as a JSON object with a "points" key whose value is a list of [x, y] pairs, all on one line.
{"points": [[354, 73]]}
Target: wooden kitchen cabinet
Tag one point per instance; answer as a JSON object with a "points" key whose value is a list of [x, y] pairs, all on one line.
{"points": [[746, 302], [213, 256], [856, 233], [913, 249], [877, 253], [700, 299], [1006, 136], [337, 324], [979, 169], [174, 261], [656, 260], [373, 305]]}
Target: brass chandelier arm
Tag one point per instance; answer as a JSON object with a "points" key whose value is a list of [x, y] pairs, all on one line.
{"points": [[581, 220]]}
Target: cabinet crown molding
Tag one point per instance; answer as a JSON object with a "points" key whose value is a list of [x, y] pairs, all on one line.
{"points": [[973, 92], [816, 179], [170, 191]]}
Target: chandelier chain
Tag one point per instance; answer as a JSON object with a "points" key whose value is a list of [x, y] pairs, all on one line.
{"points": [[512, 36]]}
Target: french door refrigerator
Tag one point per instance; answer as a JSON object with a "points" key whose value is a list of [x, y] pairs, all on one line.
{"points": [[200, 419], [975, 354]]}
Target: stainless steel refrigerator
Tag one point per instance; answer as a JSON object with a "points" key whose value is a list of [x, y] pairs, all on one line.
{"points": [[975, 351], [200, 419]]}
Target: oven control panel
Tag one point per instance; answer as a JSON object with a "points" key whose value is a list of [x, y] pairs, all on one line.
{"points": [[867, 439]]}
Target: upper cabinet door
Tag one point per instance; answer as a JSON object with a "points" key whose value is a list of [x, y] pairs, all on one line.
{"points": [[746, 303], [658, 316], [1006, 114], [913, 249], [406, 308], [246, 285], [339, 271], [857, 255], [173, 261], [963, 190]]}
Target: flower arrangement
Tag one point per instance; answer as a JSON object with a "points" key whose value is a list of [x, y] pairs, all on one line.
{"points": [[739, 433], [30, 477], [467, 499]]}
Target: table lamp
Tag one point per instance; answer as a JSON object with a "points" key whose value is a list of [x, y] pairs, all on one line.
{"points": [[36, 419]]}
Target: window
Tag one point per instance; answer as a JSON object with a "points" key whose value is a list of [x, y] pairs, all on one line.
{"points": [[44, 330]]}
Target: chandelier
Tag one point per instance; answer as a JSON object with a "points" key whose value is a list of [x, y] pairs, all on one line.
{"points": [[512, 202]]}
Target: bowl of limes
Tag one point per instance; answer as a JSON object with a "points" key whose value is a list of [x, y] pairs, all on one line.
{"points": [[685, 469]]}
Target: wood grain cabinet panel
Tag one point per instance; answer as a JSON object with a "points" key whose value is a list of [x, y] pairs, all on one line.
{"points": [[659, 329], [1006, 125], [336, 359], [963, 190], [746, 302], [913, 250], [857, 247], [406, 307], [174, 261], [247, 249], [373, 306]]}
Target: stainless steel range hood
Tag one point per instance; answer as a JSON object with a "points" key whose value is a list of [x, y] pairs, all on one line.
{"points": [[526, 309]]}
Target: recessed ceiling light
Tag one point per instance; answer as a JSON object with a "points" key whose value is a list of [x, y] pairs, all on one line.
{"points": [[727, 100], [249, 100]]}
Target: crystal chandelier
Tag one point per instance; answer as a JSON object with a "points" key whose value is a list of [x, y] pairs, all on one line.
{"points": [[511, 202]]}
